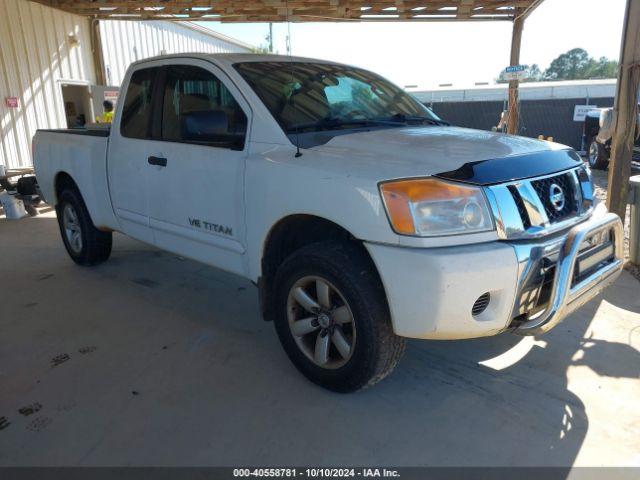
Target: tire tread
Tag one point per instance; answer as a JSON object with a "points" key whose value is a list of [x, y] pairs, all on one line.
{"points": [[357, 269], [96, 244], [602, 160]]}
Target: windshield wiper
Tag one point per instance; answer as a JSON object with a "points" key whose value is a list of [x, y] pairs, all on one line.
{"points": [[397, 120], [337, 123], [401, 117]]}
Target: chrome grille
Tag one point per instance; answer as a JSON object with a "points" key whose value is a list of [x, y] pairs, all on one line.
{"points": [[570, 203], [522, 210], [533, 208]]}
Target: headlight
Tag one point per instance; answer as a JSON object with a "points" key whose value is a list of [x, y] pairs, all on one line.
{"points": [[430, 207]]}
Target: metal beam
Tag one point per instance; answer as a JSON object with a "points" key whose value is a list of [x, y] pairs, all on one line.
{"points": [[625, 112]]}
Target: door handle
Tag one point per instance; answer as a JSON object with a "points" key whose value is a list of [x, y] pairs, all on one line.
{"points": [[159, 161]]}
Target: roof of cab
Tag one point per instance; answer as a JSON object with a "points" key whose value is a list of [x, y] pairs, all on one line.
{"points": [[231, 58]]}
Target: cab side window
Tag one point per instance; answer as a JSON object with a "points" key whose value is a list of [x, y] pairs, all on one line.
{"points": [[198, 108], [136, 112]]}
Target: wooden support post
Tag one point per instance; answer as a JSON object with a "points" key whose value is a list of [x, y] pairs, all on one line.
{"points": [[96, 51], [513, 116], [625, 112]]}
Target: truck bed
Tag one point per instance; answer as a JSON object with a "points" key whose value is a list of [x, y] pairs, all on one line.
{"points": [[82, 155], [90, 132]]}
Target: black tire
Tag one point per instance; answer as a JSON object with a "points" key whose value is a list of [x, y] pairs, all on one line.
{"points": [[31, 210], [598, 155], [376, 350], [95, 246]]}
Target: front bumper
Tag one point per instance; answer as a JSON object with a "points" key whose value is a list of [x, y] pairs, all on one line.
{"points": [[584, 262], [532, 285]]}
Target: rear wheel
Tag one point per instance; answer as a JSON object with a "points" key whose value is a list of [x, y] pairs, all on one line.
{"points": [[332, 317], [598, 155], [85, 244]]}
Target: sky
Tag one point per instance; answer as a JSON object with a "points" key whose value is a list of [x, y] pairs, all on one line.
{"points": [[460, 53]]}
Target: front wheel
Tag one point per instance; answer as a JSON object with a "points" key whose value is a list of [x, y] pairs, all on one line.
{"points": [[332, 317], [598, 155], [85, 244]]}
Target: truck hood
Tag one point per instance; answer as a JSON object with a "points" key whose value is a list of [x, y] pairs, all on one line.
{"points": [[450, 152]]}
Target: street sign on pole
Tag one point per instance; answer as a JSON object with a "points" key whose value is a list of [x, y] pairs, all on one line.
{"points": [[515, 72]]}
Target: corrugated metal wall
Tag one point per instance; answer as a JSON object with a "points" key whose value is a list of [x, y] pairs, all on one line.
{"points": [[528, 91], [551, 118], [35, 53], [124, 42]]}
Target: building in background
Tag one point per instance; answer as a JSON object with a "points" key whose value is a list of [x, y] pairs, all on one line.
{"points": [[528, 91], [550, 109], [124, 42], [52, 75]]}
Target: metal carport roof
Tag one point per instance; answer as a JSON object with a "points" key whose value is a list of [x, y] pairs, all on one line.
{"points": [[299, 10]]}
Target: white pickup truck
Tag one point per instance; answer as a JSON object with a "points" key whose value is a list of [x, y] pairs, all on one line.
{"points": [[360, 215]]}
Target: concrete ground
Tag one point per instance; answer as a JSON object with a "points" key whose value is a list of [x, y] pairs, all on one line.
{"points": [[150, 359]]}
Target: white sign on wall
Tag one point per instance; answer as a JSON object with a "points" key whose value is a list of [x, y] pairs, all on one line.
{"points": [[111, 95], [580, 112]]}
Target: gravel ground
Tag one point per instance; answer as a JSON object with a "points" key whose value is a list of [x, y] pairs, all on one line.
{"points": [[601, 182]]}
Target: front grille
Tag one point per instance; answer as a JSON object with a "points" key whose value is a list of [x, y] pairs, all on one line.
{"points": [[526, 221], [535, 293], [531, 208], [560, 183], [548, 275]]}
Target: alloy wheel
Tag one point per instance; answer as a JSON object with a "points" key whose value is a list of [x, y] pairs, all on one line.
{"points": [[321, 322], [72, 229]]}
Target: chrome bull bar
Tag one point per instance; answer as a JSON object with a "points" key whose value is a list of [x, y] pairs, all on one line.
{"points": [[565, 298]]}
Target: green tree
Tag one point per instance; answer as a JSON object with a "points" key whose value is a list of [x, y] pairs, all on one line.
{"points": [[572, 65], [576, 64], [604, 68], [534, 74]]}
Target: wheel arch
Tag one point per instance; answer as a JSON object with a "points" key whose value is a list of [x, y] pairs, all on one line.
{"points": [[61, 181], [290, 234]]}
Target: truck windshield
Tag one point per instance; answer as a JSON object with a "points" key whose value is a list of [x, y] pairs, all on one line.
{"points": [[311, 97]]}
